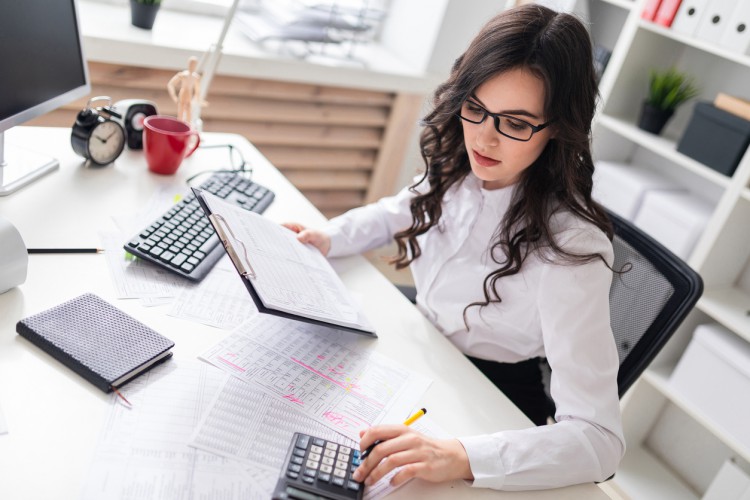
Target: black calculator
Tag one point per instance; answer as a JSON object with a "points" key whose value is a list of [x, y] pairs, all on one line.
{"points": [[315, 469]]}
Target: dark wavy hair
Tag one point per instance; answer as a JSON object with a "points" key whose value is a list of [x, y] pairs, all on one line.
{"points": [[557, 49]]}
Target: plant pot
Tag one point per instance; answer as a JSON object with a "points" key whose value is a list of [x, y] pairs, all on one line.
{"points": [[653, 119], [143, 15]]}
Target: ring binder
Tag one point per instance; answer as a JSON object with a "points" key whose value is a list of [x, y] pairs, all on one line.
{"points": [[215, 218]]}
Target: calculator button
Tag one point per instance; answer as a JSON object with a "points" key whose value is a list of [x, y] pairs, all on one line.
{"points": [[292, 475], [310, 472], [295, 467], [328, 461], [356, 461], [338, 481], [312, 464], [341, 465], [324, 477], [326, 468], [352, 486], [318, 442], [332, 446], [339, 472], [343, 456], [356, 454], [353, 468], [308, 480], [302, 441], [330, 453], [316, 449], [345, 450], [297, 460], [299, 452], [314, 456]]}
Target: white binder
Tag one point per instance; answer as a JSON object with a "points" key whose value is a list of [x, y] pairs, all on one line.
{"points": [[688, 16], [715, 18], [736, 36]]}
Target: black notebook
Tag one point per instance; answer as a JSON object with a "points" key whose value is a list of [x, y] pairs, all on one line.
{"points": [[98, 341], [284, 277]]}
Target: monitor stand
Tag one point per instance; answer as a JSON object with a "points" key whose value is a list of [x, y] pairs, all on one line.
{"points": [[19, 167]]}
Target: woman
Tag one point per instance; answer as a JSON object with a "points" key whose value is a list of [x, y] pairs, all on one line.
{"points": [[510, 256]]}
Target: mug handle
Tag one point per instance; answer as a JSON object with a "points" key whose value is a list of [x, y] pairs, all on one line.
{"points": [[197, 143]]}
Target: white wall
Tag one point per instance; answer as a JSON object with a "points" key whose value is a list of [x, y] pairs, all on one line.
{"points": [[459, 22]]}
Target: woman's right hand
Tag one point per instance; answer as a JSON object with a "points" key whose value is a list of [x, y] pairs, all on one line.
{"points": [[314, 237]]}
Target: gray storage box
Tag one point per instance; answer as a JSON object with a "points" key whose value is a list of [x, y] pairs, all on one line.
{"points": [[716, 138]]}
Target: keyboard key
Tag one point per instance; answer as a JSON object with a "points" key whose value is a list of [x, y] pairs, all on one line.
{"points": [[178, 259]]}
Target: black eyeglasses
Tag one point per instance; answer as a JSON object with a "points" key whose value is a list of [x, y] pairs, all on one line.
{"points": [[509, 126]]}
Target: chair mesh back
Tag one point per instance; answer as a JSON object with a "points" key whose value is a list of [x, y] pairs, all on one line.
{"points": [[636, 297]]}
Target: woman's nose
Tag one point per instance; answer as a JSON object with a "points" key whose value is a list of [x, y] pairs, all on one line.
{"points": [[487, 135]]}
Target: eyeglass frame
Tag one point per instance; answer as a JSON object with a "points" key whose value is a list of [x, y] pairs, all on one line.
{"points": [[496, 119]]}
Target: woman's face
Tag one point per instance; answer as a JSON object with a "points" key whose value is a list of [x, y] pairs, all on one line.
{"points": [[496, 159]]}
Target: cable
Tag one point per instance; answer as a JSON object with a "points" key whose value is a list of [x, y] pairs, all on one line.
{"points": [[243, 167]]}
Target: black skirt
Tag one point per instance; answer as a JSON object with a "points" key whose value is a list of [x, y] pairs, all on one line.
{"points": [[523, 384]]}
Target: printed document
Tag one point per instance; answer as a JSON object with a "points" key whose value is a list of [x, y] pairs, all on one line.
{"points": [[143, 451], [286, 275], [327, 375]]}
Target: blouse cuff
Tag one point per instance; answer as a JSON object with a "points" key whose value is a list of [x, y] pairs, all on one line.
{"points": [[338, 240], [486, 466]]}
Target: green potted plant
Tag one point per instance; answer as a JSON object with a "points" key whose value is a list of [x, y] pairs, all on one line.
{"points": [[143, 12], [667, 90]]}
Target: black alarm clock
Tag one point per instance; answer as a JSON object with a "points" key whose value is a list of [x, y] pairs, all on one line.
{"points": [[133, 112], [96, 134]]}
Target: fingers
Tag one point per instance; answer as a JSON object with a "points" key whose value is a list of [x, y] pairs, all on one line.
{"points": [[293, 226], [380, 433], [408, 458], [316, 238], [393, 440]]}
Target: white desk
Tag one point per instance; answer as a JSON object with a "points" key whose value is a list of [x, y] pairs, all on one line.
{"points": [[54, 416]]}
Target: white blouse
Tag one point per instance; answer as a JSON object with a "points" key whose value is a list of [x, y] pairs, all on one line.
{"points": [[559, 311]]}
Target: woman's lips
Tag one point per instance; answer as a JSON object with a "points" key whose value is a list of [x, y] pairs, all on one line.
{"points": [[484, 161]]}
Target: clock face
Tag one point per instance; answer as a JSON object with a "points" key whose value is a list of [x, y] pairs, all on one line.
{"points": [[106, 142]]}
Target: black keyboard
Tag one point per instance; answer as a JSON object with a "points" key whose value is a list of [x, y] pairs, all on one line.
{"points": [[316, 468], [182, 240]]}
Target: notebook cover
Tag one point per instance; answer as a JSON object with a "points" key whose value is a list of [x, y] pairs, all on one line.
{"points": [[94, 338]]}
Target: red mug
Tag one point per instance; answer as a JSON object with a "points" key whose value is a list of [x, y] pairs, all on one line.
{"points": [[166, 142]]}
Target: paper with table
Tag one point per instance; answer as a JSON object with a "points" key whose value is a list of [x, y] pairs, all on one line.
{"points": [[143, 452], [283, 276], [325, 374], [246, 424]]}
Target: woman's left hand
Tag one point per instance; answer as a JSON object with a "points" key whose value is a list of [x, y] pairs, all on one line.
{"points": [[419, 456]]}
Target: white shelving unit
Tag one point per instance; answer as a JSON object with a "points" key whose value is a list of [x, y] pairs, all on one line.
{"points": [[721, 256]]}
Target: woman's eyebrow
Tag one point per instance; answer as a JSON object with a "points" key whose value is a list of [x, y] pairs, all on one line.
{"points": [[520, 112]]}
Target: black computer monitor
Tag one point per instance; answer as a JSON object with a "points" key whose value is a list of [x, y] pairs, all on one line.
{"points": [[42, 67]]}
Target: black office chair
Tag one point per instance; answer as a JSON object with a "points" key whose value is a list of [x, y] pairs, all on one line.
{"points": [[647, 302]]}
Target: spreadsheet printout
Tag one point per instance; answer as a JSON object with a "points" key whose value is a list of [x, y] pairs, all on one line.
{"points": [[328, 375], [143, 451]]}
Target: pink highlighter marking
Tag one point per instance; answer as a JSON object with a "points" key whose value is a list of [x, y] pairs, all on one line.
{"points": [[293, 399], [346, 387], [231, 364]]}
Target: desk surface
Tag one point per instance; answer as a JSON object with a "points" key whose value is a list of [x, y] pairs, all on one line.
{"points": [[54, 416]]}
